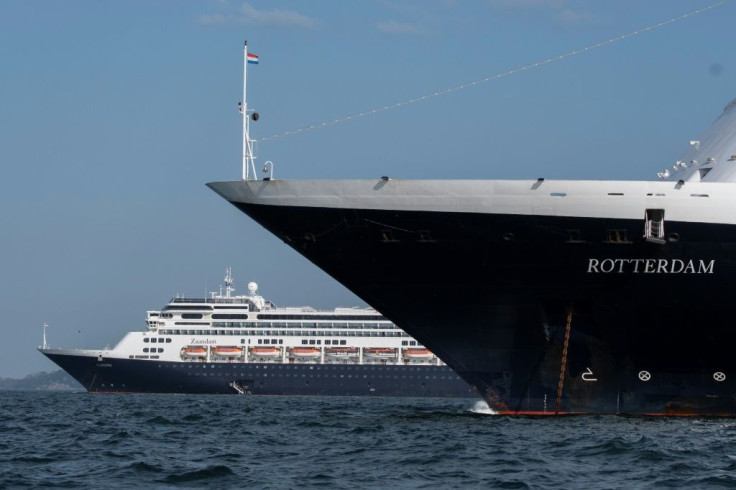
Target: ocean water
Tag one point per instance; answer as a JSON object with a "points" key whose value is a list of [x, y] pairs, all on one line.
{"points": [[166, 441]]}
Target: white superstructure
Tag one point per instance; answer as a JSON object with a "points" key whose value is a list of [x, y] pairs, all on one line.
{"points": [[243, 329]]}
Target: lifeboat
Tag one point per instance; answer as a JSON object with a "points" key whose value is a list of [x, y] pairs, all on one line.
{"points": [[341, 352], [265, 351], [379, 353], [418, 354], [228, 351], [195, 351], [305, 352]]}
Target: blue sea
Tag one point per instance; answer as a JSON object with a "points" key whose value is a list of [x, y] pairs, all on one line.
{"points": [[228, 441]]}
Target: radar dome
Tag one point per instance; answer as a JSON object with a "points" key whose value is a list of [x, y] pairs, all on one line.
{"points": [[252, 288]]}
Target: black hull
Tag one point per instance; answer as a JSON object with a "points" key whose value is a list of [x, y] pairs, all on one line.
{"points": [[140, 376], [490, 295]]}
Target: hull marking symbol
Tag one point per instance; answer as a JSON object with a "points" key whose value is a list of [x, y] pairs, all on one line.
{"points": [[644, 375], [719, 376], [588, 375]]}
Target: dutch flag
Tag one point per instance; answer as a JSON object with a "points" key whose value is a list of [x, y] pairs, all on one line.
{"points": [[252, 59]]}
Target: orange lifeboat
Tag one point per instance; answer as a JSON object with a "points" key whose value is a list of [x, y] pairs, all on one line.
{"points": [[228, 351], [269, 352], [305, 352], [195, 351], [418, 354], [379, 353]]}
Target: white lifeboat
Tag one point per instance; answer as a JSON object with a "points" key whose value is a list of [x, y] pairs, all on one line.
{"points": [[305, 352], [379, 353], [341, 352]]}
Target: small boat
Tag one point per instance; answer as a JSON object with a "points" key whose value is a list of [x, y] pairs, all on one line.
{"points": [[194, 351], [265, 351], [228, 351], [379, 353], [418, 354], [305, 352]]}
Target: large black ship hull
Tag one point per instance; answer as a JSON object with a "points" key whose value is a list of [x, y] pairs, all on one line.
{"points": [[543, 314], [110, 375]]}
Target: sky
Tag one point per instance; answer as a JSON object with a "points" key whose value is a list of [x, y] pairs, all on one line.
{"points": [[114, 115]]}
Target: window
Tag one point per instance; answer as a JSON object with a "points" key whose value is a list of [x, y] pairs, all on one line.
{"points": [[193, 316], [618, 236], [187, 307], [145, 339], [574, 236], [228, 316]]}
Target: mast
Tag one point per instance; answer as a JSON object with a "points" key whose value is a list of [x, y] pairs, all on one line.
{"points": [[248, 158], [229, 284]]}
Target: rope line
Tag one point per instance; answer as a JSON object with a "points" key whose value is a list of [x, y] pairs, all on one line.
{"points": [[495, 77]]}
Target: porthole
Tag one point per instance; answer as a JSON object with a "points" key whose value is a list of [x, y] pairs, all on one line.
{"points": [[508, 236], [674, 237]]}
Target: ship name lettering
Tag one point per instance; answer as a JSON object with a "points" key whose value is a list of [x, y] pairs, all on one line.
{"points": [[650, 266], [202, 341]]}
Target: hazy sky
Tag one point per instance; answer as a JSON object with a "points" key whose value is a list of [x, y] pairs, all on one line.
{"points": [[114, 115]]}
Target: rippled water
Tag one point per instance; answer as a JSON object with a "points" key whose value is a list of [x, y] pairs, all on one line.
{"points": [[81, 440]]}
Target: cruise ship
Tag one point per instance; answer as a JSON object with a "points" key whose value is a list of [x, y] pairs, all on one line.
{"points": [[247, 345], [548, 296]]}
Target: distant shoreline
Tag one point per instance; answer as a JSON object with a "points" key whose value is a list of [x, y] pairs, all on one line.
{"points": [[42, 381]]}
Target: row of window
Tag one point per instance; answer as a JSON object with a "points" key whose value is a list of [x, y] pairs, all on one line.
{"points": [[153, 340], [327, 342], [375, 326], [285, 333], [153, 349], [304, 342], [317, 367], [365, 376], [274, 316], [270, 316]]}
